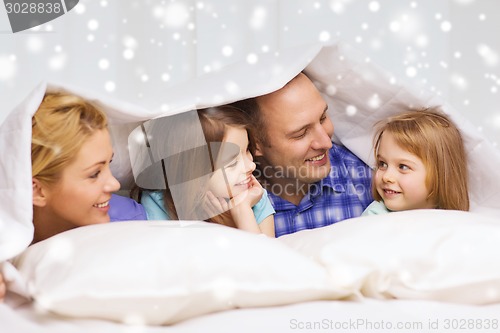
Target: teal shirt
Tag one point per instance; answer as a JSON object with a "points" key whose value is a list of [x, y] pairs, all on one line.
{"points": [[152, 201], [375, 208]]}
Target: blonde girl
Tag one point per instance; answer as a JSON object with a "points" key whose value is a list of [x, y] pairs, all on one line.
{"points": [[420, 164]]}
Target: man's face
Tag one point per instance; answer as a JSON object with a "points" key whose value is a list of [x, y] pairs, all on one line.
{"points": [[298, 130]]}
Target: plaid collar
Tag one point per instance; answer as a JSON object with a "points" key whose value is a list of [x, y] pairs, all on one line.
{"points": [[337, 175]]}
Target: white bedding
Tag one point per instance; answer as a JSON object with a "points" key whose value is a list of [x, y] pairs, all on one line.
{"points": [[369, 315], [344, 80]]}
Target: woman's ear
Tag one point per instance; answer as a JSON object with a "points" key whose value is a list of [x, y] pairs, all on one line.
{"points": [[39, 196]]}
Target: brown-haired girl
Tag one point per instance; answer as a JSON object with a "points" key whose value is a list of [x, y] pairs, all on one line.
{"points": [[208, 165]]}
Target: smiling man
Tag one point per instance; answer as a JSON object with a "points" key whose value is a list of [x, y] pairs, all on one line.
{"points": [[312, 182]]}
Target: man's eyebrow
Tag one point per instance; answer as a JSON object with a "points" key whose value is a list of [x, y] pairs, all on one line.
{"points": [[292, 133]]}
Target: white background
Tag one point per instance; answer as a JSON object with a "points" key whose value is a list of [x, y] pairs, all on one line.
{"points": [[134, 50]]}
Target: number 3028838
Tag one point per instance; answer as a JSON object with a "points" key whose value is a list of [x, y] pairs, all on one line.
{"points": [[32, 8], [471, 324]]}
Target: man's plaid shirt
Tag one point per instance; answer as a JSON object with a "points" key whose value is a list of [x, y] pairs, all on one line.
{"points": [[343, 194]]}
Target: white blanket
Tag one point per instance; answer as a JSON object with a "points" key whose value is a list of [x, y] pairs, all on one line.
{"points": [[358, 94]]}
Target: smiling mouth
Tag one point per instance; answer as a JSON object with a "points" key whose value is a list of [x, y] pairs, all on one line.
{"points": [[102, 204], [245, 182], [316, 158], [386, 191]]}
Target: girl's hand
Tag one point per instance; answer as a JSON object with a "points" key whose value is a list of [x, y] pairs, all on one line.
{"points": [[215, 205], [240, 207], [249, 197]]}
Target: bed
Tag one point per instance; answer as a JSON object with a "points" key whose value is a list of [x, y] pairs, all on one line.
{"points": [[426, 270]]}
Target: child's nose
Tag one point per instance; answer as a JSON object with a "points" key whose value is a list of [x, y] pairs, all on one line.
{"points": [[249, 163], [388, 176]]}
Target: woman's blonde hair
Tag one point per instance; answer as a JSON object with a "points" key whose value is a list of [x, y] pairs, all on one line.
{"points": [[60, 127], [434, 138]]}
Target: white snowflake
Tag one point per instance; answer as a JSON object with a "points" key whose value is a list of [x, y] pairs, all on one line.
{"points": [[351, 110], [174, 15], [489, 56], [324, 36], [258, 18], [165, 77], [459, 82], [35, 44], [411, 71], [58, 62], [110, 86], [103, 64], [8, 68], [446, 26], [80, 8], [252, 58], [93, 25], [227, 51], [128, 54], [374, 102], [374, 6], [232, 87]]}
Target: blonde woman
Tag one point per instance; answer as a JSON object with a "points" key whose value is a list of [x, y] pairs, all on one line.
{"points": [[420, 164], [72, 183]]}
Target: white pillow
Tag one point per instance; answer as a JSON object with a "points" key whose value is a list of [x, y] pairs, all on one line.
{"points": [[449, 256], [163, 272]]}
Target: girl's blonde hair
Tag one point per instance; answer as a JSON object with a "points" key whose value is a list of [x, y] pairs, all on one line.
{"points": [[434, 138], [60, 127]]}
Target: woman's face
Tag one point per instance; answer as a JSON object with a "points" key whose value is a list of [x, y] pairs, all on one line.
{"points": [[81, 196], [234, 177]]}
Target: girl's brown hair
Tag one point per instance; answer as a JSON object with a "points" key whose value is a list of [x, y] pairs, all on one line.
{"points": [[186, 170]]}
